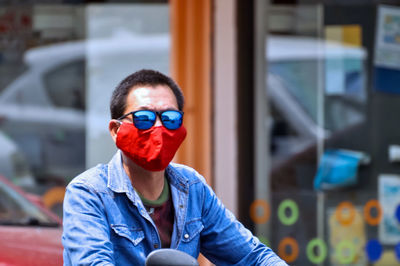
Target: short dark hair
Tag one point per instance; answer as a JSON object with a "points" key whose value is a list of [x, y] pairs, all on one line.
{"points": [[144, 77]]}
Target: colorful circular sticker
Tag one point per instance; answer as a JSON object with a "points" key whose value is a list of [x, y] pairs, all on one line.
{"points": [[345, 213], [373, 203], [398, 213], [345, 252], [290, 204], [263, 205], [53, 196], [323, 251], [373, 250], [288, 242], [397, 251]]}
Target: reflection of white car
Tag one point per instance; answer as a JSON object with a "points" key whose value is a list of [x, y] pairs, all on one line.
{"points": [[44, 109], [13, 165]]}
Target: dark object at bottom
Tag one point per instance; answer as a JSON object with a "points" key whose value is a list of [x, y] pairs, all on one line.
{"points": [[170, 257]]}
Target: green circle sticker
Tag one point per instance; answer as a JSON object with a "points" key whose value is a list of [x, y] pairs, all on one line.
{"points": [[323, 251], [345, 252], [290, 204]]}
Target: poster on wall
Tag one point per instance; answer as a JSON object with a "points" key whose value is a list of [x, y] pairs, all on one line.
{"points": [[353, 235], [387, 50], [389, 198]]}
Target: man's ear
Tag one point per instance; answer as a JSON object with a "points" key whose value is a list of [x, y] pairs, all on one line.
{"points": [[113, 127]]}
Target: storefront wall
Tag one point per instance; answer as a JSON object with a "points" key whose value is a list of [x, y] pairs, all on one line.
{"points": [[300, 123]]}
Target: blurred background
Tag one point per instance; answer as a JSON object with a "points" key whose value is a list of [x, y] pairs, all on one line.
{"points": [[291, 110]]}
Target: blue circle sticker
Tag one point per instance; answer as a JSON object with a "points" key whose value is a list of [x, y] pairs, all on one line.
{"points": [[397, 251], [397, 214], [373, 250]]}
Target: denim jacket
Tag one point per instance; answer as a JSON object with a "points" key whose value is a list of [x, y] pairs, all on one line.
{"points": [[105, 222]]}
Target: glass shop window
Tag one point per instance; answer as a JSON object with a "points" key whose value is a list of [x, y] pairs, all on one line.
{"points": [[58, 66], [334, 176]]}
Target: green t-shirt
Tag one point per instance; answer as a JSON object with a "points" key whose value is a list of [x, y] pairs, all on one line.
{"points": [[162, 213]]}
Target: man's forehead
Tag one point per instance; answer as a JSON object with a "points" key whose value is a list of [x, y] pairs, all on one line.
{"points": [[148, 89], [150, 96], [141, 91]]}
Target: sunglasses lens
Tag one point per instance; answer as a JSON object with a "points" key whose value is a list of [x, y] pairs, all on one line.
{"points": [[144, 119], [171, 119]]}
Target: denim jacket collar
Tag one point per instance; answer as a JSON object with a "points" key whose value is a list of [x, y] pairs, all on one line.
{"points": [[176, 179], [118, 181]]}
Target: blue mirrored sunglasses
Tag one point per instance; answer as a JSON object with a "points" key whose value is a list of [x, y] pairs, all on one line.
{"points": [[145, 119]]}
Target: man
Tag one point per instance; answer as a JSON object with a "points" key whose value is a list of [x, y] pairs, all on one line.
{"points": [[116, 214]]}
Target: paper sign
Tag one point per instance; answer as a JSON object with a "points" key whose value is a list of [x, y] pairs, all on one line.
{"points": [[389, 198]]}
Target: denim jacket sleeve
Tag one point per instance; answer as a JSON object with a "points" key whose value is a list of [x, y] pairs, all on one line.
{"points": [[225, 241], [86, 233]]}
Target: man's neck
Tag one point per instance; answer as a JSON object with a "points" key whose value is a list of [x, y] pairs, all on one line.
{"points": [[148, 183]]}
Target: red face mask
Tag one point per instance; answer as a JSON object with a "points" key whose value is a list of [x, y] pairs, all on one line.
{"points": [[152, 149]]}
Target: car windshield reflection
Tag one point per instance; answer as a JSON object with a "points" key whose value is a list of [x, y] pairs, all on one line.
{"points": [[17, 210]]}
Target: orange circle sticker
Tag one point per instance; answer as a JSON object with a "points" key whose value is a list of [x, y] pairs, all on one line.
{"points": [[345, 213], [372, 220], [53, 196], [263, 205], [294, 249]]}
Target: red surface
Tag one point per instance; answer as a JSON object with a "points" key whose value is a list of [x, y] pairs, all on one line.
{"points": [[30, 245]]}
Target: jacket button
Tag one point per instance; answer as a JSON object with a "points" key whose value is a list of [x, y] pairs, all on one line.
{"points": [[186, 236], [155, 245]]}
